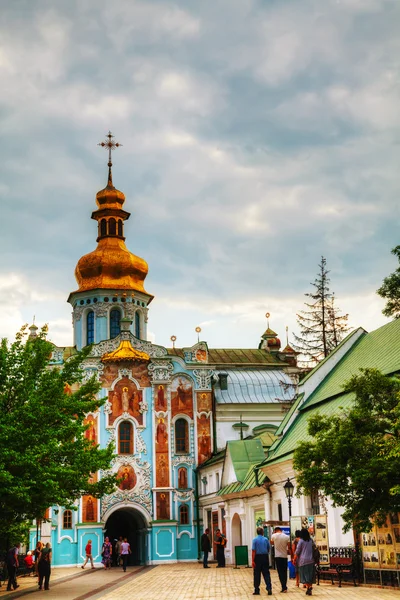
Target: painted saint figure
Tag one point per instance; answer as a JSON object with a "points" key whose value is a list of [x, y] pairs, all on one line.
{"points": [[89, 509], [182, 478], [128, 478], [163, 507], [162, 465], [161, 435], [161, 398], [115, 403], [181, 395], [125, 400]]}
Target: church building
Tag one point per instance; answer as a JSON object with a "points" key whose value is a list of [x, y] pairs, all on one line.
{"points": [[167, 410]]}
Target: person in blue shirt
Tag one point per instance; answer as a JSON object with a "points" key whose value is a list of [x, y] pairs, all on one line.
{"points": [[260, 562]]}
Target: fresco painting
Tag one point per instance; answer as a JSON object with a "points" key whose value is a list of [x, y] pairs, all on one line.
{"points": [[204, 402], [162, 504], [162, 455], [203, 438], [125, 398], [182, 396], [127, 476]]}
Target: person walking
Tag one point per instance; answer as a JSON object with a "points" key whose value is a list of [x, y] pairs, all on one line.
{"points": [[305, 560], [12, 566], [281, 543], [260, 562], [220, 542], [118, 550], [89, 556], [206, 547], [45, 567], [294, 548], [106, 553], [36, 554], [125, 552]]}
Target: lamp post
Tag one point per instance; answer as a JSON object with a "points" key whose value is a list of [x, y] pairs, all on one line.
{"points": [[289, 489]]}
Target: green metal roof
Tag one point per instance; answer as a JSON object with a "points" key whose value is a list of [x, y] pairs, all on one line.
{"points": [[289, 414], [245, 453], [334, 351], [379, 349], [248, 484], [297, 432], [236, 356]]}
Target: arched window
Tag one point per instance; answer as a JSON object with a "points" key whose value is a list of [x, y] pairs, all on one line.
{"points": [[90, 328], [67, 519], [115, 323], [120, 228], [183, 515], [137, 324], [182, 478], [112, 227], [103, 227], [125, 438], [181, 436]]}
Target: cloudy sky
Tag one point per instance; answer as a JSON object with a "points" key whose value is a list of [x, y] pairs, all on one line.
{"points": [[257, 135]]}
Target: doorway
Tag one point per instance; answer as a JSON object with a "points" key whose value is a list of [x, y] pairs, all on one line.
{"points": [[129, 523]]}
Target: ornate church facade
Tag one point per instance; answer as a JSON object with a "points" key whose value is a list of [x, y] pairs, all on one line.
{"points": [[160, 408]]}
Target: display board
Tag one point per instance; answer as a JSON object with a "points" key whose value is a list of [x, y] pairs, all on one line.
{"points": [[381, 546], [317, 526]]}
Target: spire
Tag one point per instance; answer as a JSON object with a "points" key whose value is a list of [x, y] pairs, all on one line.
{"points": [[269, 339], [110, 145]]}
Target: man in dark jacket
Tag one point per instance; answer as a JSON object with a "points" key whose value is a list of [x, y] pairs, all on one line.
{"points": [[12, 566], [206, 547]]}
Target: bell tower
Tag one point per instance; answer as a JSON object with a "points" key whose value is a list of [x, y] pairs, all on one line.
{"points": [[110, 279]]}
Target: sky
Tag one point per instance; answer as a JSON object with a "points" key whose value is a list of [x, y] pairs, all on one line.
{"points": [[257, 136]]}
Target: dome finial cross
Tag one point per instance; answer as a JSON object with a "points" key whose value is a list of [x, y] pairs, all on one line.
{"points": [[110, 145]]}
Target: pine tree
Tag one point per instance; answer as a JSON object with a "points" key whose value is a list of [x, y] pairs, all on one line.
{"points": [[322, 327]]}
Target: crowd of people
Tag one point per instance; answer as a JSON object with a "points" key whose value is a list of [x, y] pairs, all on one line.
{"points": [[302, 551], [38, 562]]}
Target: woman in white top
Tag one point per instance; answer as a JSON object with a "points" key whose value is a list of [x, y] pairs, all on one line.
{"points": [[125, 552]]}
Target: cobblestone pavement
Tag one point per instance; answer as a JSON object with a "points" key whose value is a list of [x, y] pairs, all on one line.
{"points": [[184, 581]]}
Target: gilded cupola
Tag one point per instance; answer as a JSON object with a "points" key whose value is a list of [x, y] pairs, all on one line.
{"points": [[111, 265]]}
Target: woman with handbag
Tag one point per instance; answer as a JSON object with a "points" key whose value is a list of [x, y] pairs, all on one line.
{"points": [[107, 554], [305, 561]]}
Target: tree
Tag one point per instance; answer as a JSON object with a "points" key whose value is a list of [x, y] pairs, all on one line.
{"points": [[354, 456], [322, 327], [45, 458], [390, 289]]}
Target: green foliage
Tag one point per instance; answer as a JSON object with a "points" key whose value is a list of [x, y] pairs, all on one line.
{"points": [[45, 458], [322, 327], [390, 289], [354, 457]]}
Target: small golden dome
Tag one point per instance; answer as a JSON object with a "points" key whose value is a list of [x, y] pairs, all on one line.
{"points": [[111, 265], [110, 197], [125, 351]]}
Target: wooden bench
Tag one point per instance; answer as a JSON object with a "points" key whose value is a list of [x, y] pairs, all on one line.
{"points": [[339, 567]]}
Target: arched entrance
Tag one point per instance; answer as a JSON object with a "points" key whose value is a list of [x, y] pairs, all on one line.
{"points": [[236, 532], [129, 523]]}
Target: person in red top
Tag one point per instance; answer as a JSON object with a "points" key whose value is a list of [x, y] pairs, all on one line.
{"points": [[29, 564], [89, 556]]}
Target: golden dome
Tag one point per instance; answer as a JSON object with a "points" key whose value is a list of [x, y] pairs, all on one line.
{"points": [[111, 265]]}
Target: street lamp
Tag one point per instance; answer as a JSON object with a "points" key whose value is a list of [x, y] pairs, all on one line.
{"points": [[289, 489]]}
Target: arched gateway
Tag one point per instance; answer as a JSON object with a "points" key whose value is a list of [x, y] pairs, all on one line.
{"points": [[132, 523]]}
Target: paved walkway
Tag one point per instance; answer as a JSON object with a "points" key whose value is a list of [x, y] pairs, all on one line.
{"points": [[184, 581]]}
